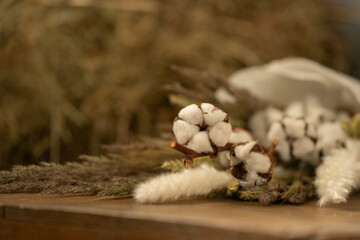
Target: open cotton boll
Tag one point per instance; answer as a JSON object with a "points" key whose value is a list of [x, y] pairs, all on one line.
{"points": [[212, 115], [276, 131], [273, 114], [224, 159], [240, 135], [303, 147], [294, 127], [192, 114], [258, 162], [187, 183], [284, 150], [295, 110], [311, 130], [330, 136], [259, 126], [220, 133], [241, 152], [184, 131], [201, 143]]}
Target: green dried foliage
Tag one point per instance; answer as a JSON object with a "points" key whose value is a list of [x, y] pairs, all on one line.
{"points": [[276, 191], [75, 75], [112, 175], [177, 164], [352, 127]]}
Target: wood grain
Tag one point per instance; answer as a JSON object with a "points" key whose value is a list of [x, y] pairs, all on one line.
{"points": [[35, 216]]}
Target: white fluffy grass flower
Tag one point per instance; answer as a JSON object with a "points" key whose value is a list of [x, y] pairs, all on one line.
{"points": [[187, 183], [339, 174], [250, 164], [203, 128]]}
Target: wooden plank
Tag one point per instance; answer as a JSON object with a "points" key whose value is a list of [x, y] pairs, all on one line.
{"points": [[212, 219]]}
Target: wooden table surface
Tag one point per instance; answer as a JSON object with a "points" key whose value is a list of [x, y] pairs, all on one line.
{"points": [[36, 216]]}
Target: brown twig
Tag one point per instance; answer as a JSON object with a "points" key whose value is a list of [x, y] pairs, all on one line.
{"points": [[191, 154]]}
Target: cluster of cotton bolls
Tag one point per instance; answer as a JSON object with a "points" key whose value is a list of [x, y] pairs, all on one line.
{"points": [[312, 133], [305, 130], [202, 128]]}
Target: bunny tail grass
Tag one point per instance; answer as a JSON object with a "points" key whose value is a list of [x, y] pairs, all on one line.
{"points": [[189, 182], [339, 175]]}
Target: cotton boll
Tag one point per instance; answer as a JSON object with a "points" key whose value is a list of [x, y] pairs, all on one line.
{"points": [[277, 132], [330, 136], [311, 130], [201, 143], [224, 159], [192, 114], [243, 150], [284, 150], [295, 110], [240, 135], [294, 127], [258, 162], [302, 147], [212, 115], [259, 126], [220, 133], [184, 131], [273, 115]]}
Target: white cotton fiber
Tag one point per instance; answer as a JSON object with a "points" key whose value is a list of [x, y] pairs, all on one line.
{"points": [[258, 126], [273, 114], [294, 127], [284, 150], [242, 151], [192, 114], [302, 147], [224, 159], [212, 115], [258, 162], [220, 133], [187, 183], [295, 110], [201, 143], [184, 131], [329, 136], [277, 132], [240, 135]]}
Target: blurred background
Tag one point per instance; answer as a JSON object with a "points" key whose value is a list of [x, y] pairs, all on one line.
{"points": [[77, 74]]}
